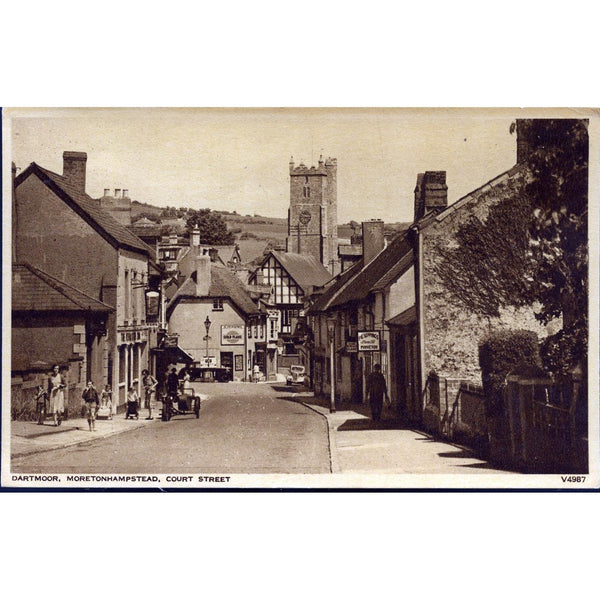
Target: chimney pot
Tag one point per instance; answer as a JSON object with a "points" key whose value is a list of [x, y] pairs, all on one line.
{"points": [[117, 192], [106, 191]]}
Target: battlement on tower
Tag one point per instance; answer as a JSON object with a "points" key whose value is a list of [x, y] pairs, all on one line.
{"points": [[321, 169]]}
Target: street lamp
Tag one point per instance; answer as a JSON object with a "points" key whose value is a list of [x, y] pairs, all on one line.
{"points": [[207, 337], [331, 321]]}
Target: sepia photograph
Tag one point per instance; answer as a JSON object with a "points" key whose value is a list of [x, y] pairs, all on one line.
{"points": [[299, 298]]}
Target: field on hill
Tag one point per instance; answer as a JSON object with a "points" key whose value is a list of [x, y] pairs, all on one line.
{"points": [[253, 232]]}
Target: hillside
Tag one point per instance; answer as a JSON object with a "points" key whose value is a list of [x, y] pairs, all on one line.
{"points": [[253, 232]]}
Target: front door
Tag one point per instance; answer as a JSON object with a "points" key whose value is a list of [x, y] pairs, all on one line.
{"points": [[227, 360]]}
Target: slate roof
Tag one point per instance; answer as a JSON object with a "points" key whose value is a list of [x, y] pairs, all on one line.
{"points": [[88, 208], [223, 284], [35, 290], [325, 296], [360, 280], [305, 270]]}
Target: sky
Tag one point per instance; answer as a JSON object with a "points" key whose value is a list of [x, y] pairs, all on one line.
{"points": [[237, 159]]}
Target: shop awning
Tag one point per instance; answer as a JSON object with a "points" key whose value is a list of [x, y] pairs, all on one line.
{"points": [[175, 355]]}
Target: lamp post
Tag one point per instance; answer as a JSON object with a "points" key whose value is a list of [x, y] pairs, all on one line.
{"points": [[207, 324], [331, 321]]}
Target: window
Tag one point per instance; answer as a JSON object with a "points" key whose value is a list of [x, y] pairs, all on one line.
{"points": [[127, 299], [218, 304]]}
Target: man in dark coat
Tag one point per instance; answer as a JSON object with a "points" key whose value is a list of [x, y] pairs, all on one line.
{"points": [[376, 390]]}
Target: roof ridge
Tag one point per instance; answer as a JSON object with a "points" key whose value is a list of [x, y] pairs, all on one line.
{"points": [[455, 205], [79, 197]]}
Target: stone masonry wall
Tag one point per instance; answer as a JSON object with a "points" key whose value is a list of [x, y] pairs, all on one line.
{"points": [[452, 333]]}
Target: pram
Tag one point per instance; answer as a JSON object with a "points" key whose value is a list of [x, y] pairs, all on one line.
{"points": [[132, 409]]}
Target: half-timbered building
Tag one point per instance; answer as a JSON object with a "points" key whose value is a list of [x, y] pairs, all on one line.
{"points": [[292, 277]]}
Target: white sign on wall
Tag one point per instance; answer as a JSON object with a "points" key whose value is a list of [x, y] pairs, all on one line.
{"points": [[232, 335], [208, 361], [368, 341]]}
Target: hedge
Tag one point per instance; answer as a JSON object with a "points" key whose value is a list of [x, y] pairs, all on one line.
{"points": [[501, 353]]}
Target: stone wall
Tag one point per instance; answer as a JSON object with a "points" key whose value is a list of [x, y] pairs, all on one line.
{"points": [[451, 332]]}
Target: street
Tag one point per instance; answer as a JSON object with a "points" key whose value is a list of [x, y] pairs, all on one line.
{"points": [[243, 428]]}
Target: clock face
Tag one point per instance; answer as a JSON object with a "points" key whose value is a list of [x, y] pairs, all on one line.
{"points": [[304, 217]]}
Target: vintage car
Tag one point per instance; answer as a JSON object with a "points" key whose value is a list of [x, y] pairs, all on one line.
{"points": [[209, 374], [297, 375]]}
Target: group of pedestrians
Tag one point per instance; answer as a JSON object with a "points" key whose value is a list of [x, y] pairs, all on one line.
{"points": [[149, 384], [51, 399]]}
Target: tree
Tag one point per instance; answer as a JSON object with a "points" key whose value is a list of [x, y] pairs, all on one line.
{"points": [[532, 247], [212, 226], [558, 186]]}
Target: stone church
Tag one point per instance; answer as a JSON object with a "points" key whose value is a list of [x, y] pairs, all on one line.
{"points": [[312, 216]]}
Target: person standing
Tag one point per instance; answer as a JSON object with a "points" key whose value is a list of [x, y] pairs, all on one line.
{"points": [[106, 399], [56, 385], [149, 383], [91, 401], [41, 400], [173, 384], [376, 390], [132, 404]]}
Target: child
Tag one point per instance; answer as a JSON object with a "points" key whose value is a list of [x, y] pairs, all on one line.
{"points": [[40, 404], [132, 404]]}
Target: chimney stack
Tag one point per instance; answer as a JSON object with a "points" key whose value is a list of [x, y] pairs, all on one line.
{"points": [[74, 168], [373, 240], [431, 193], [202, 274], [106, 192], [195, 237], [125, 194], [117, 192]]}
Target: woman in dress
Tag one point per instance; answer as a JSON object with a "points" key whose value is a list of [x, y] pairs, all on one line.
{"points": [[56, 385], [106, 399]]}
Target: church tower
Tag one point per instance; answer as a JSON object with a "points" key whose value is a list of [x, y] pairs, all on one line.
{"points": [[312, 216]]}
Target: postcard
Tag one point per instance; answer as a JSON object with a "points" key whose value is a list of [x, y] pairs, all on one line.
{"points": [[300, 298]]}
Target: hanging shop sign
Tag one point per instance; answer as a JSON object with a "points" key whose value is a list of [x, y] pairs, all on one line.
{"points": [[368, 341], [170, 341], [351, 347], [232, 335], [273, 314]]}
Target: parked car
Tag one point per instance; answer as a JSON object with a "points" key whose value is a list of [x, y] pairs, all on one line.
{"points": [[207, 374], [297, 375]]}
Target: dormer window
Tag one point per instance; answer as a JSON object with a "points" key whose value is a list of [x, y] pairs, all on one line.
{"points": [[218, 304]]}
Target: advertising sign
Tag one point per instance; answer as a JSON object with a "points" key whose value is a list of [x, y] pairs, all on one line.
{"points": [[368, 341], [273, 314], [351, 347], [208, 361], [232, 335]]}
